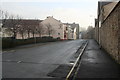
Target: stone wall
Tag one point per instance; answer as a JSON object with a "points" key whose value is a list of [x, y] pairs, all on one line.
{"points": [[96, 32], [110, 33], [119, 31]]}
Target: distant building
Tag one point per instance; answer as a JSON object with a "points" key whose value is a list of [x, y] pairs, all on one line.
{"points": [[56, 26], [67, 31], [71, 31], [61, 30], [80, 35], [26, 28], [76, 30]]}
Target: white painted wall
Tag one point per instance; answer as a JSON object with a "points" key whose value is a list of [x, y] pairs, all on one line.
{"points": [[58, 31], [74, 34]]}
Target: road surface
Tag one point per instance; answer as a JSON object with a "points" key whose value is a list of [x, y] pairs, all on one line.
{"points": [[38, 61]]}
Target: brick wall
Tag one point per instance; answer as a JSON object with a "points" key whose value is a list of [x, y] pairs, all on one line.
{"points": [[110, 33]]}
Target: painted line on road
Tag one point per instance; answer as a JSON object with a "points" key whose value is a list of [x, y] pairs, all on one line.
{"points": [[69, 74]]}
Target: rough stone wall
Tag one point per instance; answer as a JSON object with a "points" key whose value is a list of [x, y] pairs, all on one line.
{"points": [[119, 32], [96, 32], [110, 34]]}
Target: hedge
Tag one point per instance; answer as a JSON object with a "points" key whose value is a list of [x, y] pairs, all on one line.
{"points": [[9, 42]]}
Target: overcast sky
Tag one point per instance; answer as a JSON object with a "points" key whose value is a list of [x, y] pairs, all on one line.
{"points": [[82, 12]]}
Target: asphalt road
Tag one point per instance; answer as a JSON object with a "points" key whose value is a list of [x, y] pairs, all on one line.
{"points": [[38, 61]]}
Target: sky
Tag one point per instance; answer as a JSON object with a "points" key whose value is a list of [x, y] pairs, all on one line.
{"points": [[82, 12]]}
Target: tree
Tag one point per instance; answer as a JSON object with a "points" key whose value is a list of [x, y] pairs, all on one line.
{"points": [[4, 16], [14, 22], [6, 22], [90, 32], [28, 30], [7, 32], [34, 27], [21, 30], [49, 29], [25, 27], [33, 30], [10, 23], [40, 29]]}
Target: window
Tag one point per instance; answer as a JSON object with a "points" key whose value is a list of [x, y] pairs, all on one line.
{"points": [[66, 28]]}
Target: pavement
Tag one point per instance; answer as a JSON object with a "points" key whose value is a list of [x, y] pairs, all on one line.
{"points": [[96, 63], [47, 61]]}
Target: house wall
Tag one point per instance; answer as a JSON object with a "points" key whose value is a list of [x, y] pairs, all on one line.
{"points": [[72, 31], [96, 31], [110, 33], [56, 27], [65, 31], [75, 33], [70, 34], [77, 29]]}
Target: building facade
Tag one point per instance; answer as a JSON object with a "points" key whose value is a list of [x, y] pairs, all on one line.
{"points": [[71, 31], [61, 30], [26, 28], [108, 27], [53, 25]]}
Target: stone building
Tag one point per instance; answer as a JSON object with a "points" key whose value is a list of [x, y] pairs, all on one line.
{"points": [[108, 27], [96, 31], [53, 27], [75, 27], [71, 30], [30, 28], [68, 31]]}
